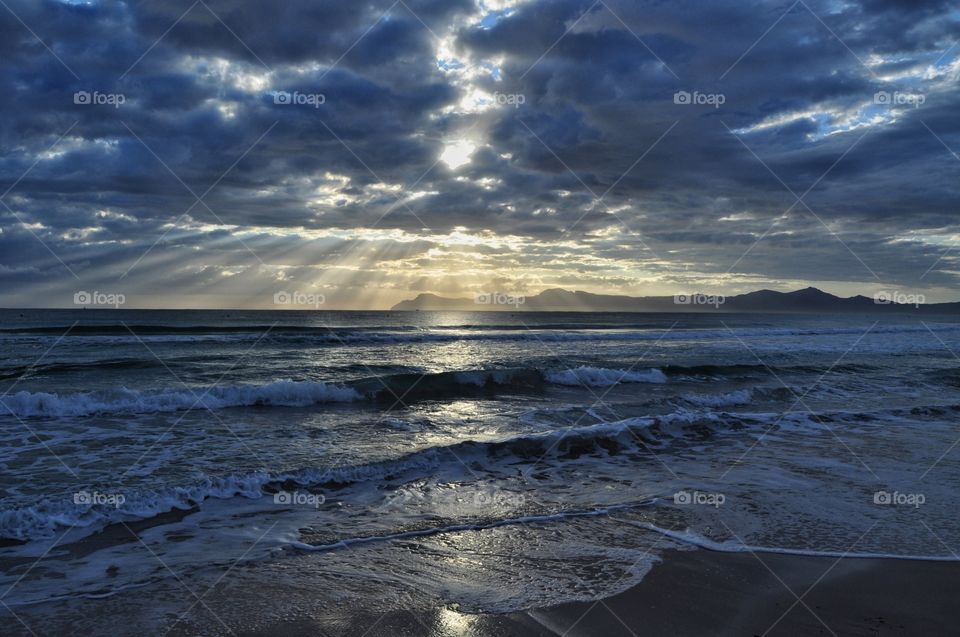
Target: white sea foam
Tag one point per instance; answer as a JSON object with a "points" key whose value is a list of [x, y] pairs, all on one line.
{"points": [[690, 537], [729, 399], [457, 528], [602, 377], [43, 519], [286, 393]]}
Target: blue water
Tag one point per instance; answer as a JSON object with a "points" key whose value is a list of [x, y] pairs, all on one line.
{"points": [[484, 461]]}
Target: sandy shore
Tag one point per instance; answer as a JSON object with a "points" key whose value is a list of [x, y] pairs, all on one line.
{"points": [[694, 592], [708, 593]]}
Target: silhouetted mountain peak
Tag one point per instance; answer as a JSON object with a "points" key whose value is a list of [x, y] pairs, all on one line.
{"points": [[809, 299], [812, 293]]}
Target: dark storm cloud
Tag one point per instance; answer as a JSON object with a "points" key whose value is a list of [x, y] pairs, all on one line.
{"points": [[598, 82]]}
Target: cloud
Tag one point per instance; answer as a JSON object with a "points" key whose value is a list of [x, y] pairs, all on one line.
{"points": [[216, 144]]}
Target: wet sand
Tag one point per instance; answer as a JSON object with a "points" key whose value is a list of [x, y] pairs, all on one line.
{"points": [[740, 594], [709, 593], [691, 592]]}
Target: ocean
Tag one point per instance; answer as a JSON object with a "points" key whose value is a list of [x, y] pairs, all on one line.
{"points": [[304, 463]]}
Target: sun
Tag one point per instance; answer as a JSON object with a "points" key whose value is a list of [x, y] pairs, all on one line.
{"points": [[457, 153]]}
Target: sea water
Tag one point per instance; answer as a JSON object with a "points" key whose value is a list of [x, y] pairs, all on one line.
{"points": [[490, 462]]}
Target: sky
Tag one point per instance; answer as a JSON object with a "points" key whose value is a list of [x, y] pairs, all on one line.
{"points": [[332, 154]]}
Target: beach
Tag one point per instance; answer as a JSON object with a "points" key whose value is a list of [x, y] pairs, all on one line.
{"points": [[709, 593], [688, 593], [741, 594]]}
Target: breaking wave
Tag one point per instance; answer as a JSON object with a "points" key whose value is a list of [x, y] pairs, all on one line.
{"points": [[285, 393]]}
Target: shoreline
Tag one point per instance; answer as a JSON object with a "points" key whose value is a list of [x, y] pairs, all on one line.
{"points": [[703, 592], [691, 592]]}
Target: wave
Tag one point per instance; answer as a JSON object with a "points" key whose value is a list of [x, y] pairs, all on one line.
{"points": [[603, 377], [597, 442], [729, 399], [741, 397], [692, 538], [412, 387], [391, 389], [579, 376], [286, 393], [43, 519], [401, 388]]}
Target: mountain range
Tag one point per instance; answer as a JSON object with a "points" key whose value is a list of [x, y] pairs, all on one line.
{"points": [[559, 300]]}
